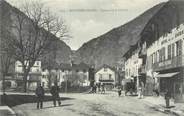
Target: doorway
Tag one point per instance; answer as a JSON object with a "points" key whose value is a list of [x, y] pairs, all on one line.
{"points": [[178, 90]]}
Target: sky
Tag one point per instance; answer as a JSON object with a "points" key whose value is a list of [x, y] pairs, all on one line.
{"points": [[88, 19]]}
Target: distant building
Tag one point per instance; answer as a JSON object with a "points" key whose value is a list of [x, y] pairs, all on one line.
{"points": [[132, 65], [33, 77], [105, 75], [77, 74]]}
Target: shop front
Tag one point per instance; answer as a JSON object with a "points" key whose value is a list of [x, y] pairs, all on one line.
{"points": [[172, 80]]}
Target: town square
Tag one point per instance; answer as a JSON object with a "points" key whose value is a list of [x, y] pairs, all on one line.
{"points": [[92, 58]]}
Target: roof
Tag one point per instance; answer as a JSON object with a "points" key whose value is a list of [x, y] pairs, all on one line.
{"points": [[105, 66], [167, 18], [80, 66], [130, 52]]}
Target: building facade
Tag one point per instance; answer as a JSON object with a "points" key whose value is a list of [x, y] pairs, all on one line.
{"points": [[106, 75], [75, 74], [165, 59], [132, 66], [33, 77]]}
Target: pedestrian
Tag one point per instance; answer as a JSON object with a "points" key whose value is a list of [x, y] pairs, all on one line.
{"points": [[55, 94], [103, 88], [39, 96], [155, 90], [95, 87], [141, 90], [167, 98], [119, 91], [99, 87]]}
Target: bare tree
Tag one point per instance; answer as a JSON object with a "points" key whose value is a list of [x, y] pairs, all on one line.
{"points": [[34, 28], [6, 55]]}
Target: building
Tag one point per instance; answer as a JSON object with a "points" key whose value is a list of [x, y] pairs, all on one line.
{"points": [[106, 75], [33, 77], [132, 66], [160, 48], [166, 61], [75, 74]]}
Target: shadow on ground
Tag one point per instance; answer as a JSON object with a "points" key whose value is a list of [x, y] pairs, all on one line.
{"points": [[17, 99], [64, 105]]}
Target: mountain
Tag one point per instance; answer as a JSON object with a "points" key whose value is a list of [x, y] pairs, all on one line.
{"points": [[110, 47], [58, 50]]}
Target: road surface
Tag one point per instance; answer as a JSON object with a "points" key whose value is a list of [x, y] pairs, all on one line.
{"points": [[108, 104]]}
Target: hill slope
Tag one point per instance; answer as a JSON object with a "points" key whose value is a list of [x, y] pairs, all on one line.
{"points": [[109, 48]]}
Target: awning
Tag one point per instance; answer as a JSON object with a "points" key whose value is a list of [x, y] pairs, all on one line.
{"points": [[166, 75]]}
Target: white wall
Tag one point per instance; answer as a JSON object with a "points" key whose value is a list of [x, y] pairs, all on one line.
{"points": [[169, 39], [105, 74], [132, 65], [35, 69]]}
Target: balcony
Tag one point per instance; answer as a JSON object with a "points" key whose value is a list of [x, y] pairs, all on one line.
{"points": [[177, 61]]}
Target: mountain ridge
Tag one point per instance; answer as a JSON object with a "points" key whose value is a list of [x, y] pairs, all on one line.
{"points": [[109, 47]]}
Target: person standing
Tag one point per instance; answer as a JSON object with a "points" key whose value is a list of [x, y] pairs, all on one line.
{"points": [[103, 88], [55, 94], [119, 91], [99, 87], [39, 96], [167, 98]]}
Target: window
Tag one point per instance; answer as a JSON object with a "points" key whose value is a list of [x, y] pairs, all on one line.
{"points": [[173, 50], [105, 69], [152, 58], [179, 48], [37, 63], [169, 52], [37, 70], [162, 54], [100, 76], [84, 71], [156, 57], [110, 77]]}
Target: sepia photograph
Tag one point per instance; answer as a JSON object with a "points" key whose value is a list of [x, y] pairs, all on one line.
{"points": [[91, 57]]}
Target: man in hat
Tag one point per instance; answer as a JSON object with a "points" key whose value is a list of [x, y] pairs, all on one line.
{"points": [[40, 96], [55, 94]]}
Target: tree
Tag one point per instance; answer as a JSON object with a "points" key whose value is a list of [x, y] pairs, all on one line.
{"points": [[6, 56], [34, 27]]}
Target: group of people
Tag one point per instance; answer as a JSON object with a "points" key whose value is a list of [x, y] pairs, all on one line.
{"points": [[100, 87], [40, 92]]}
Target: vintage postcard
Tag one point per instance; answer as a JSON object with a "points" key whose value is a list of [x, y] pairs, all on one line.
{"points": [[92, 57]]}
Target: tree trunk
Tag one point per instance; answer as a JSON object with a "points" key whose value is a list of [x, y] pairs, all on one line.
{"points": [[49, 79], [25, 80], [3, 84]]}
